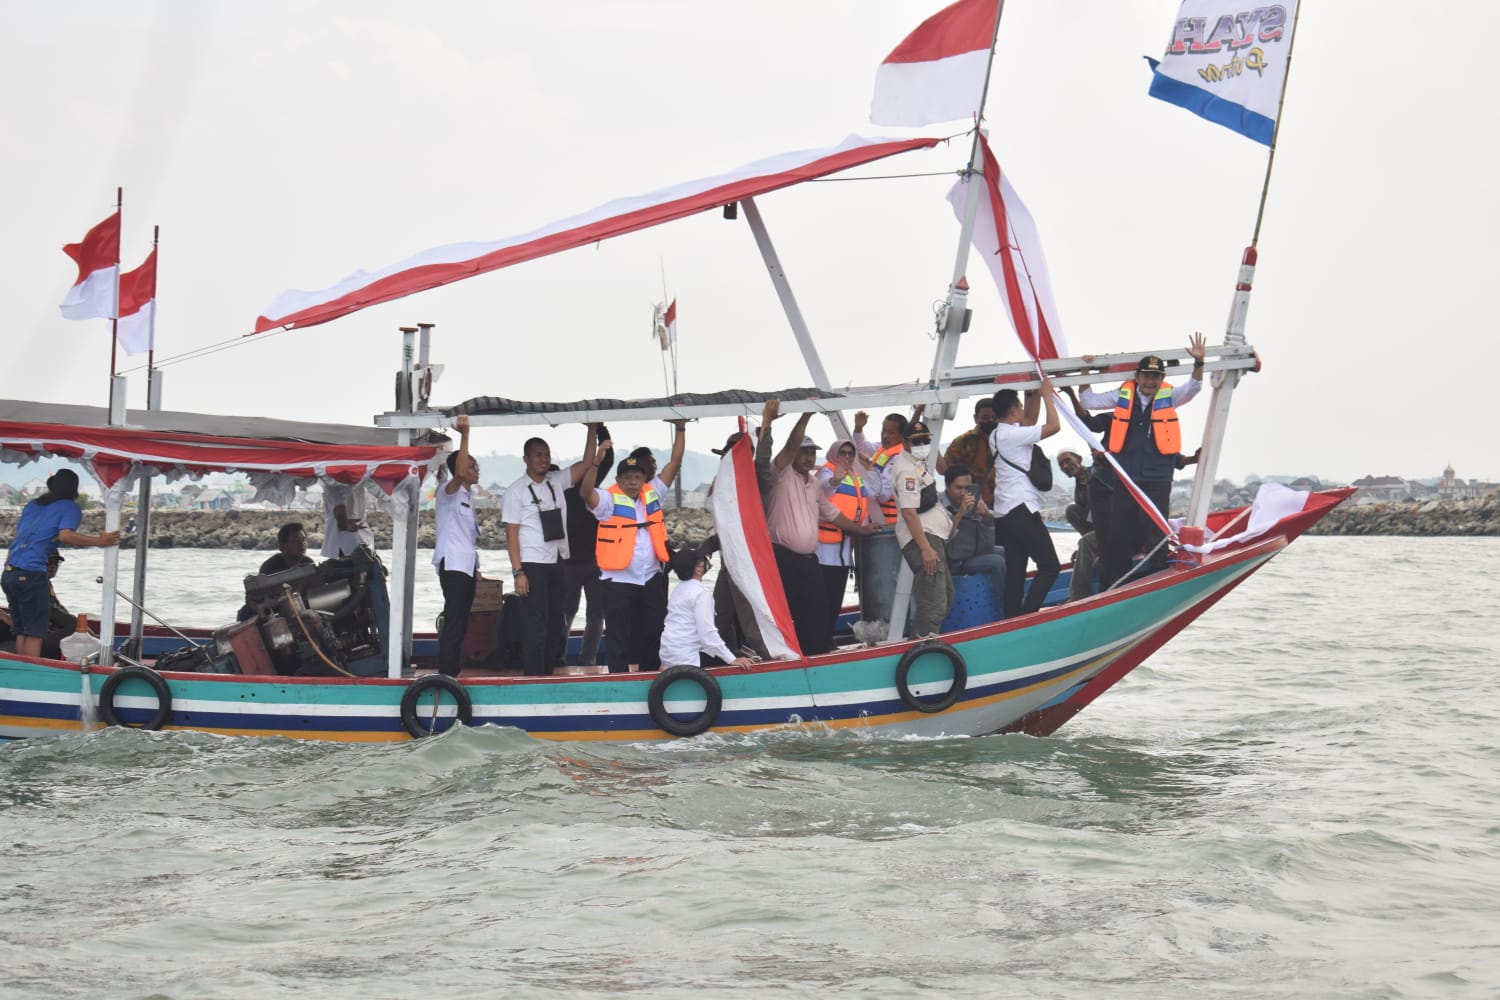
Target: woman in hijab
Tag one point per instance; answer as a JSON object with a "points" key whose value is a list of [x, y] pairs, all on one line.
{"points": [[50, 519]]}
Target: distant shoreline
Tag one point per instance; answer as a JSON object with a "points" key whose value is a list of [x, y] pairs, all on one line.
{"points": [[256, 529]]}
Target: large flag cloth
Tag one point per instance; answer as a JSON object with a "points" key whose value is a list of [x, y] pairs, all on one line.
{"points": [[745, 545], [1227, 63], [938, 72], [137, 327], [1017, 263], [442, 265], [98, 258]]}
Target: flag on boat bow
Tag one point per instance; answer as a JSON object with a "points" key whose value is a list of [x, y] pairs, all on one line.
{"points": [[1227, 63], [938, 72], [98, 258]]}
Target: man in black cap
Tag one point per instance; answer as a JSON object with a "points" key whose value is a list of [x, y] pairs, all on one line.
{"points": [[1146, 439]]}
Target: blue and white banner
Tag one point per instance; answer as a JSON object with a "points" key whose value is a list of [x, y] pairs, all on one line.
{"points": [[1227, 62]]}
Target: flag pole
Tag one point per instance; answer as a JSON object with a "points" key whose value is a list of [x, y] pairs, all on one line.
{"points": [[143, 490], [1224, 382], [114, 313]]}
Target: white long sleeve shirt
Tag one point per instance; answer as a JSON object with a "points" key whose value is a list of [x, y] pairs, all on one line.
{"points": [[690, 629]]}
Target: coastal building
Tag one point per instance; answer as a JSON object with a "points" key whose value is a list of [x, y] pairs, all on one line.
{"points": [[1450, 487]]}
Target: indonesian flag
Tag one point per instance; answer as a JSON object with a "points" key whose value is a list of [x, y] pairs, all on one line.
{"points": [[1017, 263], [745, 546], [669, 321], [938, 72], [136, 329], [98, 260]]}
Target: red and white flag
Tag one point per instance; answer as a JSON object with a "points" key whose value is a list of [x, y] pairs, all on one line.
{"points": [[1016, 262], [98, 260], [669, 320], [938, 72], [136, 331], [745, 546]]}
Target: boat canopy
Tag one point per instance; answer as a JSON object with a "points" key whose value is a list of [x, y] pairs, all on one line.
{"points": [[456, 261], [272, 452]]}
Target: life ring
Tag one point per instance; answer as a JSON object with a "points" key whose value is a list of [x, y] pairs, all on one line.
{"points": [[951, 696], [415, 725], [112, 684], [656, 700]]}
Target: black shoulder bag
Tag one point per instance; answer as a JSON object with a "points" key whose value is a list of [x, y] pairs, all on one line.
{"points": [[1040, 472]]}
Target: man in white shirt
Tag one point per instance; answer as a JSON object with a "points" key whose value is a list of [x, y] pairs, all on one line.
{"points": [[922, 529], [630, 551], [536, 539], [689, 633], [344, 528], [1018, 503], [455, 553]]}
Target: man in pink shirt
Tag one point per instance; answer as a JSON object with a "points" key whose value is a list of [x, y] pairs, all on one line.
{"points": [[797, 505]]}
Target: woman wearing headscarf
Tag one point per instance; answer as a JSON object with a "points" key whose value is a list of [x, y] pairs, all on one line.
{"points": [[50, 519]]}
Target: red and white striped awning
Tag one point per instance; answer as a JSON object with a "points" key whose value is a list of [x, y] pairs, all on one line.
{"points": [[193, 445], [446, 264]]}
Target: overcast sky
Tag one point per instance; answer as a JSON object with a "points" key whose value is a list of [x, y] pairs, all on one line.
{"points": [[283, 145]]}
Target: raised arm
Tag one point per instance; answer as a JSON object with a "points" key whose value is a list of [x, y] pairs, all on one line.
{"points": [[578, 468], [788, 452], [460, 424], [1053, 424], [587, 491], [669, 471]]}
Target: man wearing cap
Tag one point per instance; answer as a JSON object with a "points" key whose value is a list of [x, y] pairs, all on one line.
{"points": [[922, 530], [630, 551], [689, 638], [647, 458], [797, 505], [1146, 439]]}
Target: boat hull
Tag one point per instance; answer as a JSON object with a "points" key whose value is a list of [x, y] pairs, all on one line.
{"points": [[1034, 668]]}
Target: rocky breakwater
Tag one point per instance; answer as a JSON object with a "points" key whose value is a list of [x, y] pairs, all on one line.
{"points": [[256, 529], [1431, 518]]}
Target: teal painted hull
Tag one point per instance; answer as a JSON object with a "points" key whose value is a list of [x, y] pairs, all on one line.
{"points": [[1015, 670]]}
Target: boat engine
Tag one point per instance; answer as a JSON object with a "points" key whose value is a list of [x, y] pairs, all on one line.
{"points": [[313, 621]]}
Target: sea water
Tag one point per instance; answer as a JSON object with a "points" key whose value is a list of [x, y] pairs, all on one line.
{"points": [[1294, 798]]}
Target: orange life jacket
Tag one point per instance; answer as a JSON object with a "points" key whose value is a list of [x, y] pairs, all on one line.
{"points": [[882, 459], [1166, 433], [616, 545], [849, 498]]}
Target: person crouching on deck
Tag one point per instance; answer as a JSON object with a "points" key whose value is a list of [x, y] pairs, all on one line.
{"points": [[689, 638], [797, 505], [922, 530], [630, 551], [536, 539]]}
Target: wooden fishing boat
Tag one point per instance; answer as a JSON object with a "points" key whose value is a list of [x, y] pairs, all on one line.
{"points": [[1028, 675]]}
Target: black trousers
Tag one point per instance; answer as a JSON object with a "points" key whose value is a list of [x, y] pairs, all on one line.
{"points": [[806, 598], [1131, 530], [835, 582], [633, 618], [1025, 536], [583, 584], [458, 598], [544, 635]]}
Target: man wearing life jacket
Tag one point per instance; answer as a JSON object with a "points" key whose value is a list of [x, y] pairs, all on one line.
{"points": [[854, 495], [1146, 439], [630, 551], [892, 441]]}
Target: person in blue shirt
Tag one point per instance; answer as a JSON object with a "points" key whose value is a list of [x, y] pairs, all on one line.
{"points": [[50, 519]]}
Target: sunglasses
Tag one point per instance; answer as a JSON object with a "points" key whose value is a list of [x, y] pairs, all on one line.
{"points": [[921, 440]]}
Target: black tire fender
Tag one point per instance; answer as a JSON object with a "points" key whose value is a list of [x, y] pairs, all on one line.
{"points": [[441, 682], [112, 686], [951, 696], [656, 701]]}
